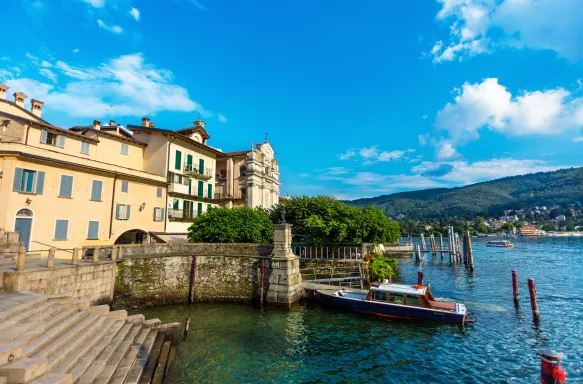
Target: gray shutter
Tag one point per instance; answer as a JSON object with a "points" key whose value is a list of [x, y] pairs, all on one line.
{"points": [[61, 141], [163, 215], [61, 229], [124, 186], [96, 190], [117, 211], [93, 231], [66, 187], [17, 183], [40, 182], [159, 192], [43, 136], [127, 212]]}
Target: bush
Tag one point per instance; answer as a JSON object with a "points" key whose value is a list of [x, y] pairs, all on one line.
{"points": [[237, 225], [382, 267]]}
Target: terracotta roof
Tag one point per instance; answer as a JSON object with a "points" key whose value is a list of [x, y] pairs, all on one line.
{"points": [[98, 133], [24, 109], [175, 134]]}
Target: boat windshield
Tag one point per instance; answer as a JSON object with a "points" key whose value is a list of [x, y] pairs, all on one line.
{"points": [[396, 298]]}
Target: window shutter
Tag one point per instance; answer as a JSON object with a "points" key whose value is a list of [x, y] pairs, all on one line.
{"points": [[40, 183], [200, 188], [210, 191], [199, 209], [159, 192], [192, 210], [201, 166], [178, 160], [84, 148], [66, 187], [17, 183], [189, 162], [61, 229], [61, 141], [190, 186], [127, 212], [162, 214], [93, 231], [124, 185], [184, 207], [175, 204], [155, 211], [96, 188], [43, 136], [117, 209]]}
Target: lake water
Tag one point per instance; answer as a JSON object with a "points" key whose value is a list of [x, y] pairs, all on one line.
{"points": [[314, 344]]}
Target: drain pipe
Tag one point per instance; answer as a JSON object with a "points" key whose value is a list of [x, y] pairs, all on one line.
{"points": [[112, 204]]}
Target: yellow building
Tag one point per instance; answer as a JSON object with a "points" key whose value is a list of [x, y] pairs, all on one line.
{"points": [[248, 178], [188, 163], [71, 188]]}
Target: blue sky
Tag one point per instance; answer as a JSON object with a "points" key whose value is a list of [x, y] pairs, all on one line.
{"points": [[359, 98]]}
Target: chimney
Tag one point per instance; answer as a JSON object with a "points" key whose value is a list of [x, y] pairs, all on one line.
{"points": [[19, 99], [96, 124], [199, 123], [152, 125], [145, 122], [112, 123], [3, 89], [36, 107]]}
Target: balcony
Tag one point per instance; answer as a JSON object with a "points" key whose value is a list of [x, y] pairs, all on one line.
{"points": [[221, 196], [182, 215], [195, 172]]}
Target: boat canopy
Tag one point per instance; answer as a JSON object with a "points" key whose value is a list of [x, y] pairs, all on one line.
{"points": [[400, 288]]}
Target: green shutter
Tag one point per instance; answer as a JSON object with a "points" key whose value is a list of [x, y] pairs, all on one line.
{"points": [[200, 188], [201, 166], [191, 210], [189, 162], [190, 186], [175, 204], [184, 209], [178, 161], [210, 191], [199, 209]]}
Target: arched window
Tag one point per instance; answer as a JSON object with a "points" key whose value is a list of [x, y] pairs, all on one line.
{"points": [[243, 170], [24, 213]]}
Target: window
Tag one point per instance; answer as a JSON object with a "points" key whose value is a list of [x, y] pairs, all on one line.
{"points": [[199, 209], [201, 188], [379, 295], [122, 211], [176, 178], [178, 160], [84, 147], [96, 188], [93, 230], [61, 229], [396, 298], [210, 190], [28, 181], [124, 149], [158, 214], [201, 166], [52, 139], [66, 187], [159, 192], [124, 186], [413, 300], [243, 171]]}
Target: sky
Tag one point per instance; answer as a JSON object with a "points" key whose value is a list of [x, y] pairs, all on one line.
{"points": [[358, 99]]}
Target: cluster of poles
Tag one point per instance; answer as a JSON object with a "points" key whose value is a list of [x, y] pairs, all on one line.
{"points": [[458, 251]]}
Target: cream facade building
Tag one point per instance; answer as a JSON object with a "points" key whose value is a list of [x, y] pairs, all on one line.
{"points": [[248, 178], [86, 186]]}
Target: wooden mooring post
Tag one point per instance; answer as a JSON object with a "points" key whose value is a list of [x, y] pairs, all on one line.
{"points": [[423, 241], [441, 244], [458, 247], [515, 288], [533, 302], [418, 253], [470, 252], [192, 280], [432, 244]]}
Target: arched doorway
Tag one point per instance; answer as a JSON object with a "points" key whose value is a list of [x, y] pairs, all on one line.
{"points": [[134, 236], [23, 225]]}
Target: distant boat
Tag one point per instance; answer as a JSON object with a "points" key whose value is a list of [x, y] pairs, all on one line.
{"points": [[499, 244], [410, 302]]}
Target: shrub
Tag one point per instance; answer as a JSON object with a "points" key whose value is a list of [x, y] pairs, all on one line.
{"points": [[237, 225], [381, 267]]}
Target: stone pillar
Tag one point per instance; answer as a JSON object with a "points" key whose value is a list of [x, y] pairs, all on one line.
{"points": [[51, 258], [21, 261], [284, 269], [95, 255], [2, 235], [12, 237], [75, 258], [114, 252]]}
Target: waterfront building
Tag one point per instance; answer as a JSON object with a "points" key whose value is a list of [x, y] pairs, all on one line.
{"points": [[63, 188], [561, 218], [188, 164], [248, 178]]}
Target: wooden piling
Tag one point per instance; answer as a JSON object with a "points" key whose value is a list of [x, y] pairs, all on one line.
{"points": [[441, 244], [470, 252], [51, 258], [533, 302], [186, 326], [458, 247], [192, 280], [418, 254], [423, 241], [432, 243], [515, 288]]}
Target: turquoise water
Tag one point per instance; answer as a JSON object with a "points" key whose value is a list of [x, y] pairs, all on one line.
{"points": [[314, 344]]}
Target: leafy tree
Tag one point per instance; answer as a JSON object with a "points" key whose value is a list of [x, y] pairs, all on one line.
{"points": [[519, 224], [323, 219], [382, 267], [508, 226], [482, 228], [548, 227], [478, 220], [237, 225]]}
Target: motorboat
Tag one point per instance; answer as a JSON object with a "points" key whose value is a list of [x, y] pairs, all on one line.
{"points": [[400, 301], [499, 244]]}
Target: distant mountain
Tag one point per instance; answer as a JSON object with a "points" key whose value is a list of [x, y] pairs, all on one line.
{"points": [[488, 198]]}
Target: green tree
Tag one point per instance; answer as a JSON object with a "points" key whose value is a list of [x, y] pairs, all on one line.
{"points": [[323, 219], [508, 226], [237, 225], [478, 221], [382, 267], [548, 227]]}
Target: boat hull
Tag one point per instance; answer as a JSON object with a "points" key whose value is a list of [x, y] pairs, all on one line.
{"points": [[392, 311]]}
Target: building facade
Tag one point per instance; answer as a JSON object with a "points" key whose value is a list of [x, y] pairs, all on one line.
{"points": [[71, 188], [248, 178]]}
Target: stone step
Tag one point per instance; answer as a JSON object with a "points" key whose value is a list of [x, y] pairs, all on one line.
{"points": [[74, 338], [119, 356], [83, 364], [23, 306], [49, 334], [24, 370], [8, 335], [15, 349], [66, 335], [138, 368], [100, 362], [25, 315], [54, 378], [83, 349], [125, 366], [152, 362]]}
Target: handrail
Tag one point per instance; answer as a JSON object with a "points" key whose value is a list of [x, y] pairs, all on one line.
{"points": [[48, 245]]}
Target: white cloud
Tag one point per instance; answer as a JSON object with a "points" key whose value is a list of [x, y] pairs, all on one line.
{"points": [[476, 26], [304, 174], [135, 13], [48, 73], [76, 50], [347, 155], [95, 3], [392, 155], [491, 105], [368, 152], [578, 139], [45, 64], [222, 118], [134, 86], [337, 171], [425, 117], [446, 150], [111, 28]]}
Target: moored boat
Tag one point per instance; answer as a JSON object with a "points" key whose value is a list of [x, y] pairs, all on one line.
{"points": [[499, 244], [410, 302]]}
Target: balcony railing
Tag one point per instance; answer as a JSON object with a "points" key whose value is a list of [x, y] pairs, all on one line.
{"points": [[228, 196], [182, 215], [197, 173]]}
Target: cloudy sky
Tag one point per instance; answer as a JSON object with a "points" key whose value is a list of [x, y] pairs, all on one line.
{"points": [[358, 98]]}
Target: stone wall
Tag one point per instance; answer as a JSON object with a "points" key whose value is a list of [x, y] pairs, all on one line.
{"points": [[83, 281]]}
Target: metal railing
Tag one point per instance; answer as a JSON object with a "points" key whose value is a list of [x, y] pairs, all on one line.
{"points": [[330, 251], [351, 276], [224, 196], [183, 214], [191, 168]]}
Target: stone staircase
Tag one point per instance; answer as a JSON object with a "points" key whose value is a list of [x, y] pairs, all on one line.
{"points": [[55, 339]]}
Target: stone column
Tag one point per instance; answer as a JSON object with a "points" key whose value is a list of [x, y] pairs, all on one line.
{"points": [[75, 258], [21, 261], [284, 287], [95, 255], [51, 258]]}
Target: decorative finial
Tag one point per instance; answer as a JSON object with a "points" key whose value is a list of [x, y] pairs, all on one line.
{"points": [[252, 145], [283, 216], [266, 134]]}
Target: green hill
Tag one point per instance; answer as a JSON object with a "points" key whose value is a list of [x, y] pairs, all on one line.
{"points": [[488, 198]]}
